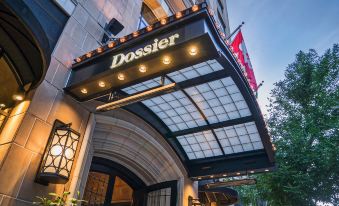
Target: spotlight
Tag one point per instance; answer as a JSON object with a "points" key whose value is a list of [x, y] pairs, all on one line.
{"points": [[178, 15], [149, 28], [101, 84], [99, 50], [193, 51], [84, 91], [111, 44], [166, 60], [135, 34], [163, 21], [142, 68], [122, 39], [195, 8], [121, 77]]}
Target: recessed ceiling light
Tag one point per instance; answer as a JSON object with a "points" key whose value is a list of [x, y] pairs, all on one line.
{"points": [[89, 54], [193, 51], [122, 39], [78, 59], [142, 68], [211, 176], [238, 173], [199, 178], [84, 91], [166, 60], [252, 171], [101, 84], [121, 77], [224, 175], [266, 170]]}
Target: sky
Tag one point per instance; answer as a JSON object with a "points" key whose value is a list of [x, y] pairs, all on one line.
{"points": [[275, 31]]}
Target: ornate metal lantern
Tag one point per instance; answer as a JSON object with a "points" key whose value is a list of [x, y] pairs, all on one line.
{"points": [[59, 154]]}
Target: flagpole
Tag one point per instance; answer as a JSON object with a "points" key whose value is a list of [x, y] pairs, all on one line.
{"points": [[242, 23]]}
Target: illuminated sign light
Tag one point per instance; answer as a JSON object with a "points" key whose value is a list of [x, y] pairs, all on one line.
{"points": [[164, 43]]}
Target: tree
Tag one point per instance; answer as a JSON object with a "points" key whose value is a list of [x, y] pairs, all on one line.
{"points": [[303, 121]]}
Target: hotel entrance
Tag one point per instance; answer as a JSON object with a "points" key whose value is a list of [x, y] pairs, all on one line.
{"points": [[112, 184]]}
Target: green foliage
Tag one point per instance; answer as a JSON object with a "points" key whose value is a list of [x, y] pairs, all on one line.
{"points": [[58, 200], [304, 124]]}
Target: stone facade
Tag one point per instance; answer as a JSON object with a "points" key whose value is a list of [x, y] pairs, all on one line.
{"points": [[23, 140], [26, 132]]}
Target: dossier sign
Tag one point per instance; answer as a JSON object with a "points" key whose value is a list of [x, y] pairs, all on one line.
{"points": [[156, 46]]}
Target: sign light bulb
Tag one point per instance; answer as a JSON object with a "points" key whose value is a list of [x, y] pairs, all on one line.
{"points": [[193, 51], [166, 60], [84, 91], [142, 68], [102, 84], [121, 77]]}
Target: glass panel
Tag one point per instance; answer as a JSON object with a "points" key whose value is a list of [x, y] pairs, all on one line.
{"points": [[122, 193], [239, 138], [176, 110], [96, 187], [200, 145], [160, 197], [220, 100], [195, 71]]}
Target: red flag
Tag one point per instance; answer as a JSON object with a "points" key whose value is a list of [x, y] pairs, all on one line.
{"points": [[240, 50]]}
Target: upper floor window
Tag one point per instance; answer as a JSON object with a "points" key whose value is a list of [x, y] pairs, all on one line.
{"points": [[67, 6], [152, 11]]}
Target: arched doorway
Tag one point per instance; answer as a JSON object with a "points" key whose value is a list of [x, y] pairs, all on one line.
{"points": [[111, 184]]}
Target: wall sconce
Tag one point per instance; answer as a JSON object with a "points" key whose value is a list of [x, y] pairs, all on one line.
{"points": [[59, 154]]}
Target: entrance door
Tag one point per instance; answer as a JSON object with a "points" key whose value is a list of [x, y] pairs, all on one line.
{"points": [[111, 184]]}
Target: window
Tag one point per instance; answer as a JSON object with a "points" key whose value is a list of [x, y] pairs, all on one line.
{"points": [[101, 185], [67, 6], [152, 11]]}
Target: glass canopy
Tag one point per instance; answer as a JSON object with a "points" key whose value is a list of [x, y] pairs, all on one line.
{"points": [[204, 104]]}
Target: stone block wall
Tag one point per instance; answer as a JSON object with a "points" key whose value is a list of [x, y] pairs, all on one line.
{"points": [[26, 133]]}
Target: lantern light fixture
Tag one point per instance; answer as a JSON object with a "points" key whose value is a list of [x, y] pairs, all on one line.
{"points": [[59, 155]]}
